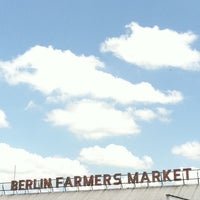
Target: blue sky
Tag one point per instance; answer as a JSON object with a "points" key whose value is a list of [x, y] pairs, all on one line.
{"points": [[92, 87]]}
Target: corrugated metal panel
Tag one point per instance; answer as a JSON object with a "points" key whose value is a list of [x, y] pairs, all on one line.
{"points": [[191, 192]]}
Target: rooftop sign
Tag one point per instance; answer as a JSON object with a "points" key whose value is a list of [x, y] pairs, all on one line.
{"points": [[103, 180]]}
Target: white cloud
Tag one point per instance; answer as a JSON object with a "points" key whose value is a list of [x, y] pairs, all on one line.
{"points": [[116, 156], [65, 74], [190, 150], [145, 114], [160, 113], [29, 165], [3, 121], [163, 114], [94, 120], [152, 48]]}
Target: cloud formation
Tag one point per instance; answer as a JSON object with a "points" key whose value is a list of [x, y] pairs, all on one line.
{"points": [[3, 121], [189, 150], [145, 114], [64, 74], [115, 156], [153, 48], [94, 119], [29, 165]]}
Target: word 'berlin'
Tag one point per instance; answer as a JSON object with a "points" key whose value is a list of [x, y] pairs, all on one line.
{"points": [[105, 179]]}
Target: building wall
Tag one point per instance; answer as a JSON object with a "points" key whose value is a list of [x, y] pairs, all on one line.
{"points": [[191, 192]]}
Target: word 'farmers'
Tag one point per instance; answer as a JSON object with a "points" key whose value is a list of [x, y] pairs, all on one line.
{"points": [[100, 180]]}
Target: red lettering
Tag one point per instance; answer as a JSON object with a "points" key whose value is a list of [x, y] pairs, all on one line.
{"points": [[47, 183], [145, 177], [35, 184], [58, 181], [68, 182], [187, 172], [106, 179], [133, 179], [77, 181], [14, 185], [177, 174], [87, 182], [117, 177], [156, 176], [21, 185], [166, 175], [98, 180], [29, 184]]}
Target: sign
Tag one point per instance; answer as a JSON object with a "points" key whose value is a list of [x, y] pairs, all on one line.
{"points": [[102, 180]]}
